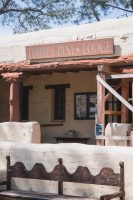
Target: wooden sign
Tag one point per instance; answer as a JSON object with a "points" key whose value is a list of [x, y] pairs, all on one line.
{"points": [[71, 49]]}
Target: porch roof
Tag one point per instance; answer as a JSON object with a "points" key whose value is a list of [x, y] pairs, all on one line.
{"points": [[64, 66]]}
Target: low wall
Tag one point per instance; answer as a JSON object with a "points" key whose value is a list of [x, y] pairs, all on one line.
{"points": [[94, 157], [27, 132], [117, 129]]}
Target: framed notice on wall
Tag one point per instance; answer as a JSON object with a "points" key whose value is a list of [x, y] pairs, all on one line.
{"points": [[84, 105]]}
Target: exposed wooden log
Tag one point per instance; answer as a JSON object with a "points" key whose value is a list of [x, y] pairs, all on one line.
{"points": [[14, 101], [14, 76], [88, 64], [116, 94]]}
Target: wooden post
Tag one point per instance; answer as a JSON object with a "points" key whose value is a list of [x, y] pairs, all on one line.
{"points": [[125, 95], [100, 119], [14, 101], [60, 183], [15, 80]]}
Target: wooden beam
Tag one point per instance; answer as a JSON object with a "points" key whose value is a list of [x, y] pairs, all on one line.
{"points": [[116, 94], [15, 79], [128, 71], [14, 101], [125, 95], [100, 119], [116, 76], [112, 112], [58, 86], [110, 94], [51, 125]]}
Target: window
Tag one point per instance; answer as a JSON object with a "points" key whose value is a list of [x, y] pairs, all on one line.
{"points": [[59, 104], [85, 105], [25, 102], [59, 101]]}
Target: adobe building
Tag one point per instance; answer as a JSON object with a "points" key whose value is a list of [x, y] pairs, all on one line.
{"points": [[71, 80]]}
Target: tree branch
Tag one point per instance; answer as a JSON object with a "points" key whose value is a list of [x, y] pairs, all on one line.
{"points": [[132, 4], [21, 10], [3, 10], [5, 5], [120, 8], [94, 12]]}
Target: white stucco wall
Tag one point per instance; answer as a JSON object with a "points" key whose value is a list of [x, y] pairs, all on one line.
{"points": [[94, 157], [25, 132], [12, 48], [117, 129]]}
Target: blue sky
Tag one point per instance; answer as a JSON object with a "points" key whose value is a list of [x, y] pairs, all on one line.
{"points": [[6, 30]]}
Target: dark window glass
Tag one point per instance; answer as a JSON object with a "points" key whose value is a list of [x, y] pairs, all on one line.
{"points": [[25, 102], [59, 104]]}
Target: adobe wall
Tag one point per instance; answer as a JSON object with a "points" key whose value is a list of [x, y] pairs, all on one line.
{"points": [[25, 132], [41, 101], [94, 157]]}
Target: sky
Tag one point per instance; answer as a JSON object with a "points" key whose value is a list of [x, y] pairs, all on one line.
{"points": [[5, 30], [114, 14]]}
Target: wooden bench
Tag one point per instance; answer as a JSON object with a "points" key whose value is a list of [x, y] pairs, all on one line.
{"points": [[60, 174]]}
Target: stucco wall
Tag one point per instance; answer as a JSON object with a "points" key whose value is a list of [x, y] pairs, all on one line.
{"points": [[25, 132], [94, 157], [12, 48], [40, 103]]}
